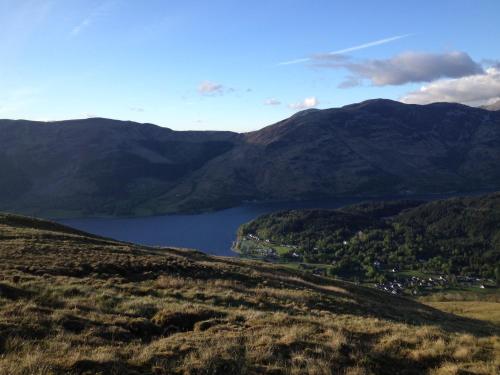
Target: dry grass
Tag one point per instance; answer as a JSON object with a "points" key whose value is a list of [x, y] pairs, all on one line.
{"points": [[82, 305], [483, 310]]}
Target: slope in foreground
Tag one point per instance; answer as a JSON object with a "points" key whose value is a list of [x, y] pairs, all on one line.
{"points": [[78, 304]]}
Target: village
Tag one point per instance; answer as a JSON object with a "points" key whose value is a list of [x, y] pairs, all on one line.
{"points": [[400, 283], [263, 248], [420, 284], [415, 285]]}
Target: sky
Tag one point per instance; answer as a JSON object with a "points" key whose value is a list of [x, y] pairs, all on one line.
{"points": [[240, 65]]}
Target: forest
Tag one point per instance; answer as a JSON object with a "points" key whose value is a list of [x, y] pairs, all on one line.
{"points": [[456, 237]]}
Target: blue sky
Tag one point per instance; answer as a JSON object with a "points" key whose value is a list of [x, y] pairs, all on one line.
{"points": [[219, 64]]}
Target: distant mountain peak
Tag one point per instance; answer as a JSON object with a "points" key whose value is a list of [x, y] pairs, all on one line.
{"points": [[305, 112], [371, 103]]}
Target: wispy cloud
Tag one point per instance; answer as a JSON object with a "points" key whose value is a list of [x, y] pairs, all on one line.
{"points": [[349, 49], [272, 101], [370, 44], [20, 21], [136, 109], [210, 88], [82, 25], [97, 12]]}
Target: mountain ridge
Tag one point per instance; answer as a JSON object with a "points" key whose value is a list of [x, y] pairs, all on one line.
{"points": [[102, 167]]}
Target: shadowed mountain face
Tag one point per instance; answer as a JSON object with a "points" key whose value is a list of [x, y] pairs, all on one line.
{"points": [[106, 167], [97, 166]]}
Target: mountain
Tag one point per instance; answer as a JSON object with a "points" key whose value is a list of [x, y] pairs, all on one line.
{"points": [[97, 166], [493, 106], [458, 236], [73, 303], [377, 147]]}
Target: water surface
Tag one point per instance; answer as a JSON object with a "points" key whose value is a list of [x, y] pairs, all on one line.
{"points": [[212, 232]]}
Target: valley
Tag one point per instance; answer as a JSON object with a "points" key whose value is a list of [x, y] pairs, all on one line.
{"points": [[249, 187]]}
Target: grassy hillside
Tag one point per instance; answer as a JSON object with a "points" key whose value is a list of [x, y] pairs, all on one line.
{"points": [[455, 237], [71, 303]]}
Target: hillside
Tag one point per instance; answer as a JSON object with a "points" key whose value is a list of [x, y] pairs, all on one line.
{"points": [[72, 303], [97, 166], [100, 167], [373, 148], [458, 236]]}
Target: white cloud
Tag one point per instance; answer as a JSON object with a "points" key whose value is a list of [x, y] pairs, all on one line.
{"points": [[272, 101], [477, 89], [350, 49], [403, 68], [304, 104], [210, 88]]}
